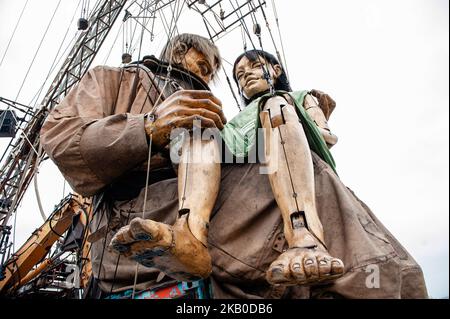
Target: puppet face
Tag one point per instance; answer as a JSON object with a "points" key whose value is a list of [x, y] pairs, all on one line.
{"points": [[198, 63], [250, 75]]}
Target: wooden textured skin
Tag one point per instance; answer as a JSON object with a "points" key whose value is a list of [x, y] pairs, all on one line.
{"points": [[198, 183], [317, 115], [293, 180]]}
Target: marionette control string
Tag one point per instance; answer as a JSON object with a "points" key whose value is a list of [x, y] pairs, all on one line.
{"points": [[174, 22]]}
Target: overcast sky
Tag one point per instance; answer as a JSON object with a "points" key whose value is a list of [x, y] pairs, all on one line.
{"points": [[385, 62]]}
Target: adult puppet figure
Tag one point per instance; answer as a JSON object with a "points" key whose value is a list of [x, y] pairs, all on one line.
{"points": [[115, 124]]}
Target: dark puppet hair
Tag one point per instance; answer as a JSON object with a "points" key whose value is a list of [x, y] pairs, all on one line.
{"points": [[281, 82]]}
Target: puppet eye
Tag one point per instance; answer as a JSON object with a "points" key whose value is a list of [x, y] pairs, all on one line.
{"points": [[205, 70], [256, 65]]}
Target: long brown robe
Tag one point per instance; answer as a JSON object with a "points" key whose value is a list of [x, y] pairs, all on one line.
{"points": [[96, 137]]}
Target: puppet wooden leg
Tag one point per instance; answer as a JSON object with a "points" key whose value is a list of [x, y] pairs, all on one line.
{"points": [[198, 184], [307, 260], [180, 251]]}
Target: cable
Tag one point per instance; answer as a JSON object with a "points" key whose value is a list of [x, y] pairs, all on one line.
{"points": [[14, 233], [264, 67], [104, 208], [147, 178], [108, 224], [36, 188], [120, 255], [56, 60], [52, 229], [231, 89], [174, 23], [14, 32], [91, 220], [114, 42], [279, 35], [38, 49]]}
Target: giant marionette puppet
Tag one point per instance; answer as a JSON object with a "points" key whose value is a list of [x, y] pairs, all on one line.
{"points": [[109, 136], [292, 124], [307, 191]]}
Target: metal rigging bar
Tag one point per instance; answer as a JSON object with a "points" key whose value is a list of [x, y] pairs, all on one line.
{"points": [[221, 16], [18, 170], [83, 52], [16, 105]]}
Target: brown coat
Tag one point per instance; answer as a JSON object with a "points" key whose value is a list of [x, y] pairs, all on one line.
{"points": [[98, 140]]}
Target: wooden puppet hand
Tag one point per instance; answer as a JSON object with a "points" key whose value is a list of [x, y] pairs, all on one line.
{"points": [[180, 110], [326, 103]]}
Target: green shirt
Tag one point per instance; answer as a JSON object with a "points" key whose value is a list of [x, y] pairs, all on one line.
{"points": [[240, 133]]}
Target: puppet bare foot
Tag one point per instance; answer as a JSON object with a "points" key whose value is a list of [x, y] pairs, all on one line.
{"points": [[306, 264], [171, 249]]}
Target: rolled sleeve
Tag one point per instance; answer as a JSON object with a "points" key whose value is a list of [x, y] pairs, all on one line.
{"points": [[113, 145]]}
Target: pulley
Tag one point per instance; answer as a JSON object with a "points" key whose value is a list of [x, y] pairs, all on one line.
{"points": [[83, 24], [126, 16], [257, 29], [126, 58]]}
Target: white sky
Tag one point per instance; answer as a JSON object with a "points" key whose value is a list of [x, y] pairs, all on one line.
{"points": [[385, 63]]}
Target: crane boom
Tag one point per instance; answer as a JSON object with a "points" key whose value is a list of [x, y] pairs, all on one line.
{"points": [[42, 239], [22, 155]]}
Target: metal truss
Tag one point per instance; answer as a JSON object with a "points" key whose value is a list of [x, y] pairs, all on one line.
{"points": [[222, 16], [22, 156]]}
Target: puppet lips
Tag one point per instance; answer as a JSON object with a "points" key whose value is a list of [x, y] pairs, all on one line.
{"points": [[249, 81]]}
